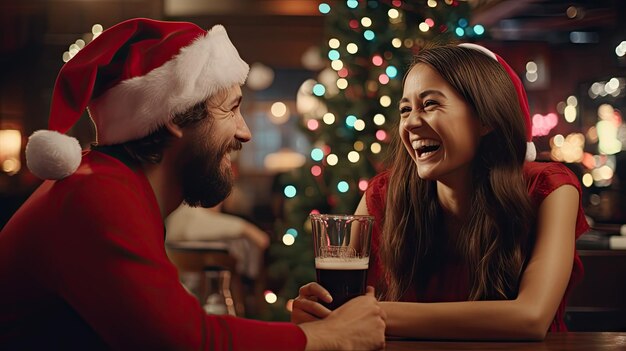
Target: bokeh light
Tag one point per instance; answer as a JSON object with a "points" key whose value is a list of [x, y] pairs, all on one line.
{"points": [[391, 71], [379, 119], [376, 148], [270, 297], [343, 186], [363, 184], [288, 239], [319, 89], [381, 135], [290, 191], [352, 48], [312, 124], [317, 154], [332, 159], [329, 118], [324, 8], [316, 170]]}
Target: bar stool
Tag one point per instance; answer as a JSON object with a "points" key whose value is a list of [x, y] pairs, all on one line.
{"points": [[196, 257]]}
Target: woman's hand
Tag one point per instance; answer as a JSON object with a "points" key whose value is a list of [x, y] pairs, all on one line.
{"points": [[306, 307]]}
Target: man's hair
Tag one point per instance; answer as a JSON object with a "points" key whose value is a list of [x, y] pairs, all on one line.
{"points": [[149, 149], [495, 241]]}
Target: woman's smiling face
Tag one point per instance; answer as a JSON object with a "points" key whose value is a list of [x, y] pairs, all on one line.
{"points": [[438, 127]]}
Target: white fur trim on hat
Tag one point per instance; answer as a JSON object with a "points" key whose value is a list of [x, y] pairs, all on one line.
{"points": [[52, 155], [140, 105]]}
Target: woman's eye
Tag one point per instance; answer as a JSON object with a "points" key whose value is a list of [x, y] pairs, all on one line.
{"points": [[405, 109], [429, 103]]}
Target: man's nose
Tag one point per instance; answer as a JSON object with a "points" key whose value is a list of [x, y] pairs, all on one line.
{"points": [[243, 133]]}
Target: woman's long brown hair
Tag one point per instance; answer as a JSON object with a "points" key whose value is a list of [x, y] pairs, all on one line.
{"points": [[494, 242]]}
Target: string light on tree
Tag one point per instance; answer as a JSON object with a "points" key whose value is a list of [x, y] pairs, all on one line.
{"points": [[317, 154], [343, 186], [376, 148], [350, 120], [383, 79], [316, 171], [312, 124], [381, 135], [336, 65], [363, 184], [359, 125], [385, 101], [290, 191], [328, 118], [342, 83], [353, 156], [288, 239], [332, 159], [270, 297], [379, 119]]}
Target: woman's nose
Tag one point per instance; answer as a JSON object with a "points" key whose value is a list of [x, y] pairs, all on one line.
{"points": [[414, 120]]}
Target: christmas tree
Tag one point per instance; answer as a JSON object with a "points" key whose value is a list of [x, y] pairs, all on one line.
{"points": [[369, 46]]}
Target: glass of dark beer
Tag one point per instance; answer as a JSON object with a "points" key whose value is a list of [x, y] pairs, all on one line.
{"points": [[342, 253]]}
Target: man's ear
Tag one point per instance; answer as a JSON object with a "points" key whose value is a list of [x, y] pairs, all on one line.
{"points": [[174, 128]]}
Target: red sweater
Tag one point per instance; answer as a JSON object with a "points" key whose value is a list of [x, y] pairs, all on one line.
{"points": [[450, 282], [83, 266]]}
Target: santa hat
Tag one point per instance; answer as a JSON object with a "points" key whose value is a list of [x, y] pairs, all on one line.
{"points": [[531, 152], [135, 77]]}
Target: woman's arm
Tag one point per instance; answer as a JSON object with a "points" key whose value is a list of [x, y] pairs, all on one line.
{"points": [[541, 289]]}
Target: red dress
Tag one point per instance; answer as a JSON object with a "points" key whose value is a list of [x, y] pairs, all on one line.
{"points": [[451, 281], [83, 267]]}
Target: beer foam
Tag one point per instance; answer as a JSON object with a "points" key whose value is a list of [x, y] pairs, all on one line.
{"points": [[336, 263]]}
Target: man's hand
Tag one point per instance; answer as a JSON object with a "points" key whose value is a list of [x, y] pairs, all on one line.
{"points": [[359, 324]]}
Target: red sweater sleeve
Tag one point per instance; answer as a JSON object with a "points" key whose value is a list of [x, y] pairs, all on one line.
{"points": [[109, 263]]}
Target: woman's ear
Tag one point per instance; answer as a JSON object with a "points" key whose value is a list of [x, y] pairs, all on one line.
{"points": [[174, 128], [485, 129]]}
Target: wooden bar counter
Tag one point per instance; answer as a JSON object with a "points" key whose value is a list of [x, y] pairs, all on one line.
{"points": [[592, 341]]}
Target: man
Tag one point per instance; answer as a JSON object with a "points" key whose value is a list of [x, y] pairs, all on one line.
{"points": [[82, 262]]}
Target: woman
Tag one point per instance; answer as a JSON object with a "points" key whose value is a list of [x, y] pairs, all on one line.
{"points": [[472, 240]]}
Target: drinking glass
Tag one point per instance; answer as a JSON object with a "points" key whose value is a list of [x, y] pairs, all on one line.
{"points": [[342, 252]]}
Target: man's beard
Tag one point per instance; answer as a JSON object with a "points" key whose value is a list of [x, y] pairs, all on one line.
{"points": [[205, 181]]}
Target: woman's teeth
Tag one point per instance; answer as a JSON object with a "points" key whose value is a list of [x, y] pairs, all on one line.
{"points": [[425, 147]]}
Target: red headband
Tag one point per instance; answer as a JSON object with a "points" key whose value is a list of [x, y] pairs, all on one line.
{"points": [[531, 152]]}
